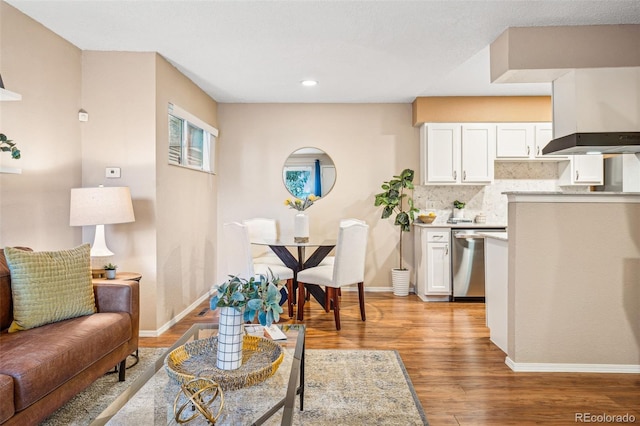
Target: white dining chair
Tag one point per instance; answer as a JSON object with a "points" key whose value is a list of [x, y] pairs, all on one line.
{"points": [[263, 229], [329, 260], [239, 261], [347, 269]]}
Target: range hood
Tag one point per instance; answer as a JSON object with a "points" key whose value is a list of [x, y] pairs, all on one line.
{"points": [[595, 143]]}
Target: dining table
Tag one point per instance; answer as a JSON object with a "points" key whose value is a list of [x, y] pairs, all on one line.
{"points": [[281, 247]]}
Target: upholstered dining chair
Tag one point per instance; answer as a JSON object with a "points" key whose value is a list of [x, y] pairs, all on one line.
{"points": [[263, 229], [347, 269], [239, 260]]}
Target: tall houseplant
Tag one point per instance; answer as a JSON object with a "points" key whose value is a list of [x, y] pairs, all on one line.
{"points": [[392, 201]]}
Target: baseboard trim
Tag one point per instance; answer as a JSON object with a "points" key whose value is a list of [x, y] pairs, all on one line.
{"points": [[535, 367], [173, 321]]}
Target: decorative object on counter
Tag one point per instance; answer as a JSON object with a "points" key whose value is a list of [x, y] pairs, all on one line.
{"points": [[458, 209], [301, 220], [427, 218], [110, 271], [197, 397], [7, 145], [481, 218], [244, 299], [392, 201]]}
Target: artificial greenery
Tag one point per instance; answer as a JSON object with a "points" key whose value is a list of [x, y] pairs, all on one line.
{"points": [[459, 204], [253, 296], [110, 267], [301, 204], [392, 201], [7, 145]]}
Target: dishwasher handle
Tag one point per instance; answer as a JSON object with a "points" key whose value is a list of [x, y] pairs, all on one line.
{"points": [[465, 236]]}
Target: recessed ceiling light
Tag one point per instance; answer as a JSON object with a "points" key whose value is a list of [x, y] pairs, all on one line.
{"points": [[309, 83]]}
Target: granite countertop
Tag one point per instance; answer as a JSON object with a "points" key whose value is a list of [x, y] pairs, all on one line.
{"points": [[502, 236], [459, 225]]}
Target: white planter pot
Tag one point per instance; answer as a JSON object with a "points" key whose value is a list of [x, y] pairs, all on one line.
{"points": [[301, 228], [229, 355], [400, 281], [458, 213], [111, 274]]}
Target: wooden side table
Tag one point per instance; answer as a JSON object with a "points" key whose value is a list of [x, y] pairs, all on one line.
{"points": [[126, 276]]}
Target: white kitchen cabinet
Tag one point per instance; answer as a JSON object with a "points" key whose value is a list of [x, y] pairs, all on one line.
{"points": [[582, 170], [524, 141], [433, 263], [455, 153]]}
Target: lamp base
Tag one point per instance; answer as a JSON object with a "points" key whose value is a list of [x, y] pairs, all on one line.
{"points": [[98, 273]]}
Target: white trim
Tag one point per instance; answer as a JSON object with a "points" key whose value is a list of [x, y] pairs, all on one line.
{"points": [[577, 197], [539, 367], [7, 95], [173, 321], [182, 113], [11, 170]]}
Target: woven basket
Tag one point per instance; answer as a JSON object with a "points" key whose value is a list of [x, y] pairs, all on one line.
{"points": [[426, 218], [197, 359]]}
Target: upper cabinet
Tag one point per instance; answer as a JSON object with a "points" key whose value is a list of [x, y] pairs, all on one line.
{"points": [[456, 153], [582, 170], [524, 141]]}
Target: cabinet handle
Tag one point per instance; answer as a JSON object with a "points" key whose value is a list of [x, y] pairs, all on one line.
{"points": [[455, 174], [464, 175], [446, 250], [437, 237], [577, 175], [538, 151], [528, 150]]}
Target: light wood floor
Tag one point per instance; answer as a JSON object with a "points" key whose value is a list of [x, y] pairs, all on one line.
{"points": [[458, 374]]}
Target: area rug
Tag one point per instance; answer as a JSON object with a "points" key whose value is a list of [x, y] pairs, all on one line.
{"points": [[342, 387]]}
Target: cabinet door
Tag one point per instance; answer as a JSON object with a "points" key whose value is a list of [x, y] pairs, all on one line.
{"points": [[438, 269], [544, 134], [477, 152], [588, 169], [514, 140], [442, 153]]}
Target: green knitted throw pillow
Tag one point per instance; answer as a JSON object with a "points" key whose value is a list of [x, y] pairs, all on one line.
{"points": [[49, 286]]}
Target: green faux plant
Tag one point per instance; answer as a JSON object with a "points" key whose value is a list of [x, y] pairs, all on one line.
{"points": [[392, 201], [7, 145], [254, 296], [110, 267], [459, 204]]}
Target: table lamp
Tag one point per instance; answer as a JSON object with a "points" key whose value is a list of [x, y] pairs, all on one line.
{"points": [[100, 206]]}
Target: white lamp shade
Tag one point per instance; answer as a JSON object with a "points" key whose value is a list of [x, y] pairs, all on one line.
{"points": [[100, 206]]}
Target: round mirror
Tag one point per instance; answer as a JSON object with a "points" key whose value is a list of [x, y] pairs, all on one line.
{"points": [[309, 171]]}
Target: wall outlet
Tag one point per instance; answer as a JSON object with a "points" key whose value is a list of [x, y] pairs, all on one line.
{"points": [[112, 172]]}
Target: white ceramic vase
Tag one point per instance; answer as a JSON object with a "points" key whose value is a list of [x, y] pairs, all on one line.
{"points": [[111, 274], [400, 282], [458, 213], [229, 355], [301, 228]]}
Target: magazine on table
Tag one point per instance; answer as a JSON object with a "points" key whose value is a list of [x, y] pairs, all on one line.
{"points": [[272, 332]]}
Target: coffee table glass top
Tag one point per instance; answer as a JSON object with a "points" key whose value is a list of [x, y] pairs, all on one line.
{"points": [[150, 398]]}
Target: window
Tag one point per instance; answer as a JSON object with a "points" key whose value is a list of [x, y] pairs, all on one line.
{"points": [[299, 180], [191, 141]]}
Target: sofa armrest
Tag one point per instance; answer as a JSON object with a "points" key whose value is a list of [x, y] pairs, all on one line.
{"points": [[120, 296]]}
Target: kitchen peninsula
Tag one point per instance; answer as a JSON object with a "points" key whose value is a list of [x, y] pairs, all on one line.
{"points": [[573, 282]]}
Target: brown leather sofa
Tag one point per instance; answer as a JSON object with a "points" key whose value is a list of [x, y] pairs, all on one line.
{"points": [[44, 367]]}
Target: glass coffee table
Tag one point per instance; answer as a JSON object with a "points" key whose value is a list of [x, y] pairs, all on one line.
{"points": [[150, 398]]}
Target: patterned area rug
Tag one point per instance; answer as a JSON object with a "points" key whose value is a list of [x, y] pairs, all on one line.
{"points": [[343, 387]]}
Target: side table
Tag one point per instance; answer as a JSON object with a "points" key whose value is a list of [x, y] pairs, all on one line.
{"points": [[122, 276]]}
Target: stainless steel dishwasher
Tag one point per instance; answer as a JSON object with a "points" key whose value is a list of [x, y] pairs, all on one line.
{"points": [[467, 264]]}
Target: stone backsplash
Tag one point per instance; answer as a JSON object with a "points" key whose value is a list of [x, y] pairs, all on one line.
{"points": [[489, 199]]}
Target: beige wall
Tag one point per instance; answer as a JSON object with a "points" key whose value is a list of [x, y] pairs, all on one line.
{"points": [[574, 282], [45, 70], [368, 143], [186, 209]]}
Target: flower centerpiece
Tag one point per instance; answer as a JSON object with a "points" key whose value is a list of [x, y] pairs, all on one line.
{"points": [[241, 300], [301, 220]]}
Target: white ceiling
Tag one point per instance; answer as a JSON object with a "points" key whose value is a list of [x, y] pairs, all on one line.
{"points": [[359, 51]]}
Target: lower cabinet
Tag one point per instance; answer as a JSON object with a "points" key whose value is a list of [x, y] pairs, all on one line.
{"points": [[432, 263]]}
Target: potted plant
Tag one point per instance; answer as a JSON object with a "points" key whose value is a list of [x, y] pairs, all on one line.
{"points": [[239, 301], [301, 220], [458, 209], [7, 145], [392, 201], [110, 270]]}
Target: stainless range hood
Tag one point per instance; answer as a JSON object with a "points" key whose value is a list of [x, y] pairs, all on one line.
{"points": [[595, 143]]}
